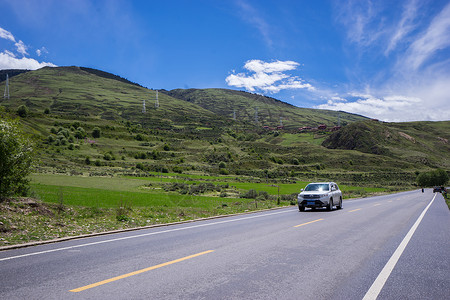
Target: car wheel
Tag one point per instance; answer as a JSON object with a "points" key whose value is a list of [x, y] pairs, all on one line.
{"points": [[301, 208], [340, 204], [330, 205]]}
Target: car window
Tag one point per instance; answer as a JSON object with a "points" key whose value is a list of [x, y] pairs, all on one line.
{"points": [[317, 187]]}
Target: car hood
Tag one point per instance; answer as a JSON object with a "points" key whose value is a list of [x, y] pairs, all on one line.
{"points": [[314, 192]]}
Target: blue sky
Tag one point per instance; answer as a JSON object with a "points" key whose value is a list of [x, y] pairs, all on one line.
{"points": [[388, 60]]}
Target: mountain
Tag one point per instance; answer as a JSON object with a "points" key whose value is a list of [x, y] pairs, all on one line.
{"points": [[270, 112], [210, 131], [416, 142]]}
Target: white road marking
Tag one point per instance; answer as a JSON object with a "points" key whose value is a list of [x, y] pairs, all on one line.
{"points": [[379, 282], [145, 234]]}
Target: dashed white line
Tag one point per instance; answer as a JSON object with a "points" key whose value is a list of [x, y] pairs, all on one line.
{"points": [[379, 282]]}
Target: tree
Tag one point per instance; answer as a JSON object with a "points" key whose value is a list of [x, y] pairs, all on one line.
{"points": [[96, 132], [22, 111], [441, 177], [80, 133], [16, 158], [437, 177]]}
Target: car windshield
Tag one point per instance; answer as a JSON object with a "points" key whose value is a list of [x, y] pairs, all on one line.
{"points": [[317, 187]]}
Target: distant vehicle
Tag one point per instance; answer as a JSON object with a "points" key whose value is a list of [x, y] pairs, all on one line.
{"points": [[438, 189], [320, 194]]}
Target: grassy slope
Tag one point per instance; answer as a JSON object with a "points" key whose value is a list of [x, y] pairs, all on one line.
{"points": [[224, 102], [421, 143], [70, 91]]}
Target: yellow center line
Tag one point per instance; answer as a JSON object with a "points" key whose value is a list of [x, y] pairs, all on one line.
{"points": [[308, 223], [80, 289], [355, 210]]}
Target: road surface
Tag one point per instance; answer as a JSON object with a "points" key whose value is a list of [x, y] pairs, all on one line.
{"points": [[386, 247]]}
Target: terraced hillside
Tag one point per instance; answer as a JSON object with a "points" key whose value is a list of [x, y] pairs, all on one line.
{"points": [[270, 112], [90, 122]]}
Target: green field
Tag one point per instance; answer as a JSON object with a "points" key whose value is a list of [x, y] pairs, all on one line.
{"points": [[107, 192]]}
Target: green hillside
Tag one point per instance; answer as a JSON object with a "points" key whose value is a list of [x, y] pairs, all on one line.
{"points": [[193, 132], [270, 111]]}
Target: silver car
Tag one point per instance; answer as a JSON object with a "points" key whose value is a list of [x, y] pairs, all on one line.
{"points": [[320, 194]]}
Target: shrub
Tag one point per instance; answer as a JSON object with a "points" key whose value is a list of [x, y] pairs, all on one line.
{"points": [[250, 194], [22, 111], [80, 133], [16, 158], [437, 177], [96, 132], [223, 172], [50, 139], [177, 169]]}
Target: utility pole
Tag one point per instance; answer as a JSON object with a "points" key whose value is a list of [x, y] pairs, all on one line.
{"points": [[156, 101]]}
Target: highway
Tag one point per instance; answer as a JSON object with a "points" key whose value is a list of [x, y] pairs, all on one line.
{"points": [[387, 247]]}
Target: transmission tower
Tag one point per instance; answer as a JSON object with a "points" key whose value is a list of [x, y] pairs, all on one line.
{"points": [[156, 101], [6, 94], [234, 114], [256, 115], [143, 107], [281, 121]]}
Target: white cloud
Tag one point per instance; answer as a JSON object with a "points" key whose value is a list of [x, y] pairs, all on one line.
{"points": [[360, 20], [4, 34], [250, 14], [21, 48], [404, 26], [9, 61], [268, 77], [396, 108], [411, 78], [436, 37], [41, 51]]}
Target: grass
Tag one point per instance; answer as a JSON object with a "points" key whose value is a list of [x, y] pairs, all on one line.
{"points": [[73, 205]]}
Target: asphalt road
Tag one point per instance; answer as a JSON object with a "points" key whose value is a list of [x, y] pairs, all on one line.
{"points": [[280, 254]]}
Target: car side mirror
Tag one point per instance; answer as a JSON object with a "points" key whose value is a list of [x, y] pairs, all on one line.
{"points": [[301, 190]]}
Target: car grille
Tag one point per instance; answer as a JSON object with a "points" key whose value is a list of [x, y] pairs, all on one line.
{"points": [[311, 196]]}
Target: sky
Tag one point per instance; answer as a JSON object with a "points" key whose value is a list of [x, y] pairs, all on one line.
{"points": [[383, 59]]}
